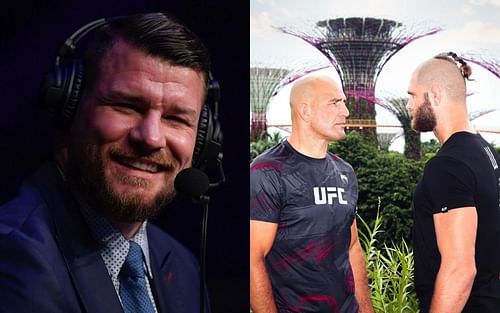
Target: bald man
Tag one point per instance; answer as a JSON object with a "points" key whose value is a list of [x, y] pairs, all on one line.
{"points": [[305, 254], [456, 229]]}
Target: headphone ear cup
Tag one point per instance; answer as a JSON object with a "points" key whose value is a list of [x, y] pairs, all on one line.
{"points": [[202, 135], [217, 136], [72, 93], [52, 92], [208, 145], [61, 92]]}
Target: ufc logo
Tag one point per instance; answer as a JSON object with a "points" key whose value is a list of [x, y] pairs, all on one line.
{"points": [[324, 195]]}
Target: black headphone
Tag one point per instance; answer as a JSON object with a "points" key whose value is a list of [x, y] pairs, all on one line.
{"points": [[62, 89]]}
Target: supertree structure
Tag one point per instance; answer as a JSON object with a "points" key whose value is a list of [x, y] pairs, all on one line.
{"points": [[263, 82], [358, 49], [492, 64], [385, 140], [397, 106], [299, 72]]}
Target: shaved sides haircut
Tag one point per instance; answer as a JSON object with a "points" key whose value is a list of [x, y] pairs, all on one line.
{"points": [[443, 72]]}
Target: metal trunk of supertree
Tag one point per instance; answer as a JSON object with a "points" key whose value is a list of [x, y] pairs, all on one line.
{"points": [[263, 82], [397, 107], [358, 48], [412, 149]]}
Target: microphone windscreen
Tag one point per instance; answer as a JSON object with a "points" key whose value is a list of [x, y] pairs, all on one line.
{"points": [[192, 182]]}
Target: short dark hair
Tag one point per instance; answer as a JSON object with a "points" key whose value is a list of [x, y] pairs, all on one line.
{"points": [[157, 34]]}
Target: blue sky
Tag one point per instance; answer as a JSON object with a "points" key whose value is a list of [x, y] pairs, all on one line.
{"points": [[468, 26]]}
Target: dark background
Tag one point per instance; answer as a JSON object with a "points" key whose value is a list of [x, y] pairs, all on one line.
{"points": [[31, 32]]}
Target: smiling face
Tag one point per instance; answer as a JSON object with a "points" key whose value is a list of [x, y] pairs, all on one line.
{"points": [[134, 131]]}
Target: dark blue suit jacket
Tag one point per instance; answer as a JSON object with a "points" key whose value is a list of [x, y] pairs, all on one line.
{"points": [[49, 262]]}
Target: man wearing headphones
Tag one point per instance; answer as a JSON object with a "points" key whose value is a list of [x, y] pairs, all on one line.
{"points": [[130, 109]]}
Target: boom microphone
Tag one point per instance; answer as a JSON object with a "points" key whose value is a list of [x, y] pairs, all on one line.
{"points": [[192, 182]]}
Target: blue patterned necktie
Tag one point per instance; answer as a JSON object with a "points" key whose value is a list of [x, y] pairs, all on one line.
{"points": [[133, 290]]}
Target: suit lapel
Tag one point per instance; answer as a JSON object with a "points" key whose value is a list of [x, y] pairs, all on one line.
{"points": [[166, 295], [80, 251], [158, 287], [93, 284]]}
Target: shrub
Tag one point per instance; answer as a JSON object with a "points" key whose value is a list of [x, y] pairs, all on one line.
{"points": [[257, 147], [390, 271], [387, 176]]}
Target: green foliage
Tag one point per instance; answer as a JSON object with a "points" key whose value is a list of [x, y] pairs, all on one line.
{"points": [[390, 271], [257, 147], [413, 146], [430, 148], [387, 176]]}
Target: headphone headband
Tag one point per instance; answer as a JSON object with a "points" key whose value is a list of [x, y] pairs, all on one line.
{"points": [[69, 45]]}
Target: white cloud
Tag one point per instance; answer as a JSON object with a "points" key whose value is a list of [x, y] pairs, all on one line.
{"points": [[373, 8], [286, 12], [467, 11], [478, 2], [477, 32], [267, 2], [485, 2], [260, 24]]}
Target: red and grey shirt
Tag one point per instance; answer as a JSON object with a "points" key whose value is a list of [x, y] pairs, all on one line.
{"points": [[314, 203]]}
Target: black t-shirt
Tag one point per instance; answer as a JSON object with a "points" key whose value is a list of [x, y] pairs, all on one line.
{"points": [[313, 201], [464, 173]]}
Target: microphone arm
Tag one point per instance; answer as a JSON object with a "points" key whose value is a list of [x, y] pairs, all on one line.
{"points": [[194, 183], [203, 251], [222, 179]]}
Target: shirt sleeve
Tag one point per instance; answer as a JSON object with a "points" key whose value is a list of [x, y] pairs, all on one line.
{"points": [[265, 193], [450, 184]]}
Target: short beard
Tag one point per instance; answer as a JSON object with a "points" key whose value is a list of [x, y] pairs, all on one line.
{"points": [[87, 167], [424, 119]]}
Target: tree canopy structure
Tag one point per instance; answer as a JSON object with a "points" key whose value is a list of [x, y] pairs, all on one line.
{"points": [[263, 82], [358, 48]]}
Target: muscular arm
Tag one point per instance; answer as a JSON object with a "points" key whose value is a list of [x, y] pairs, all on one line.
{"points": [[356, 257], [456, 237], [262, 236]]}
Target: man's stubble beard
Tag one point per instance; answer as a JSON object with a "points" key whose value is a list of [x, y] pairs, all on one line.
{"points": [[88, 169], [424, 119]]}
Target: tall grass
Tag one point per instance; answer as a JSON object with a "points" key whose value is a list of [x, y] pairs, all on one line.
{"points": [[390, 271]]}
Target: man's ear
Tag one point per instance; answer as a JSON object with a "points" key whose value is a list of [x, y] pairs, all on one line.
{"points": [[305, 111], [435, 95], [61, 146]]}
